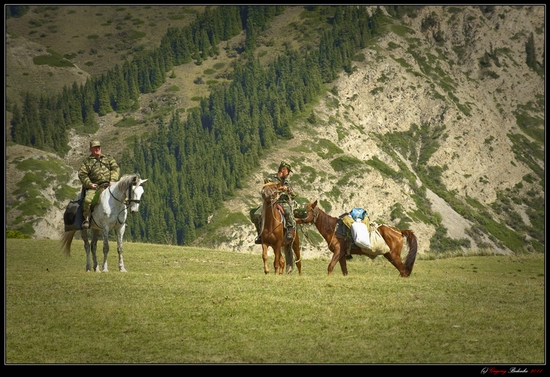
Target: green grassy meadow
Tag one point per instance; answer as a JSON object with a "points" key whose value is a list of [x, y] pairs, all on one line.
{"points": [[182, 305]]}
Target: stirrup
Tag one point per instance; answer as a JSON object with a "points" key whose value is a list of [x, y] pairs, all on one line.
{"points": [[258, 241], [85, 224]]}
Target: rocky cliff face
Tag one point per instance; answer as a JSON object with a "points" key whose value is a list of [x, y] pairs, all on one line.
{"points": [[401, 83]]}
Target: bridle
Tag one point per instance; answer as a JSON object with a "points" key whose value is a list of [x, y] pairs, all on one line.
{"points": [[128, 201], [314, 213]]}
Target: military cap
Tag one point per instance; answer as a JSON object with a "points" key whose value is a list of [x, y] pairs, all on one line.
{"points": [[285, 164], [95, 143]]}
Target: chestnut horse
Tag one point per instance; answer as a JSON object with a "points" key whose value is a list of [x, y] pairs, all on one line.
{"points": [[274, 233], [338, 243]]}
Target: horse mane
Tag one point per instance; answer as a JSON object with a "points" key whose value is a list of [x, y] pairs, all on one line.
{"points": [[126, 181], [268, 189]]}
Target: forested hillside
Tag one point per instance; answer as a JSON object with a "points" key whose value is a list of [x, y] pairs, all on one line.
{"points": [[265, 92], [197, 162]]}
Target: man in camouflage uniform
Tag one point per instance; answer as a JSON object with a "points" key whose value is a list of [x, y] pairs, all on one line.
{"points": [[97, 169], [286, 200]]}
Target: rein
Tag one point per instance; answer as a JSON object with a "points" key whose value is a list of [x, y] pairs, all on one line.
{"points": [[120, 201], [315, 214], [125, 202], [272, 203]]}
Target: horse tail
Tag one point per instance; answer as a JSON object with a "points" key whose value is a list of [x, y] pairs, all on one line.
{"points": [[413, 247], [66, 241], [288, 257]]}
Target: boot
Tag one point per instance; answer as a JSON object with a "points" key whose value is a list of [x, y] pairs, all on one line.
{"points": [[86, 222], [258, 240]]}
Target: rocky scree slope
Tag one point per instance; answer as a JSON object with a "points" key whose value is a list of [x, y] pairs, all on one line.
{"points": [[388, 92]]}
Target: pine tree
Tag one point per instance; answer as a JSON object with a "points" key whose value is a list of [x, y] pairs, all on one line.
{"points": [[88, 101], [75, 105], [266, 129], [129, 71], [531, 58], [121, 93], [16, 121], [104, 100]]}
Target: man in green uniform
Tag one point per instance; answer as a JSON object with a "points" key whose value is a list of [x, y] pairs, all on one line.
{"points": [[286, 200], [96, 169]]}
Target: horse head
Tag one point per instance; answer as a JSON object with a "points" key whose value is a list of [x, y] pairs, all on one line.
{"points": [[136, 190], [307, 215]]}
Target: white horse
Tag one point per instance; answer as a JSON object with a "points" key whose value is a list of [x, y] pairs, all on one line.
{"points": [[109, 213]]}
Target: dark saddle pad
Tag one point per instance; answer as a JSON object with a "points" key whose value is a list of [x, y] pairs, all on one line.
{"points": [[341, 228]]}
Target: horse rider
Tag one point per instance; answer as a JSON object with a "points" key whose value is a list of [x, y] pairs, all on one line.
{"points": [[286, 200], [96, 170]]}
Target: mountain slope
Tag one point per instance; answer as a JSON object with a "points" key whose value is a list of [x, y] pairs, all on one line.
{"points": [[391, 90], [422, 132]]}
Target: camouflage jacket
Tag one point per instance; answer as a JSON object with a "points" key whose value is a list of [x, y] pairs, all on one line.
{"points": [[101, 170], [287, 196]]}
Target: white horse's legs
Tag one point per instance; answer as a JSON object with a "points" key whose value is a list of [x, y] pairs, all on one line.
{"points": [[119, 236], [90, 247], [95, 236], [105, 248], [84, 234]]}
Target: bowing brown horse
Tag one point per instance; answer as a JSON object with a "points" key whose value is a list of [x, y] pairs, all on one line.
{"points": [[273, 233], [338, 243]]}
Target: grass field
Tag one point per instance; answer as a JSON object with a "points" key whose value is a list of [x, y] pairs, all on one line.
{"points": [[190, 305]]}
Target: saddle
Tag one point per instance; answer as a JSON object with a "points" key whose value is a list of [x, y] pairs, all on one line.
{"points": [[282, 212], [98, 192], [344, 228], [345, 221], [280, 209], [378, 244]]}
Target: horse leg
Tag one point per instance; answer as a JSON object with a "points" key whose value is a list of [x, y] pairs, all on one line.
{"points": [[264, 257], [95, 236], [335, 258], [394, 240], [396, 261], [278, 263], [296, 248], [84, 234], [120, 234], [343, 264], [281, 264], [105, 248]]}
